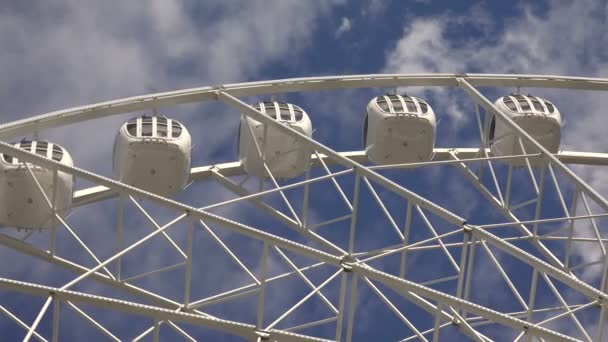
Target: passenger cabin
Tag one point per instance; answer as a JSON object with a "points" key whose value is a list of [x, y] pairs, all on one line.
{"points": [[537, 116], [398, 129], [22, 205], [285, 156], [153, 153]]}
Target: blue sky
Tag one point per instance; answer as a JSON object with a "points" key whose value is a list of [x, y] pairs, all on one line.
{"points": [[67, 53]]}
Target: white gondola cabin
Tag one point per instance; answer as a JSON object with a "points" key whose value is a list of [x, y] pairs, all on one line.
{"points": [[537, 116], [153, 154], [398, 129], [22, 205], [285, 156]]}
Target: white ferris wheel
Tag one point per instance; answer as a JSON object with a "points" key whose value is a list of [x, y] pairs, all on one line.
{"points": [[296, 241]]}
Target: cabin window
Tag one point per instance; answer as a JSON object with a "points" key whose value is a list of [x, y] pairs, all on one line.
{"points": [[7, 158], [537, 105], [146, 129], [424, 108], [550, 107], [25, 145], [132, 128], [41, 148], [510, 104], [299, 114], [176, 129], [267, 108], [383, 105], [284, 112], [57, 153], [161, 127], [270, 111], [525, 106], [397, 106], [161, 130], [411, 106]]}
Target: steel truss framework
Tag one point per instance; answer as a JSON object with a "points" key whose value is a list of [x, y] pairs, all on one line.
{"points": [[527, 236]]}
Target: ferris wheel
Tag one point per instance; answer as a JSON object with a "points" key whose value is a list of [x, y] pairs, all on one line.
{"points": [[296, 241]]}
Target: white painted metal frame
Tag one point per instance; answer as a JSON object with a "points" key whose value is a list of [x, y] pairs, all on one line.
{"points": [[351, 266]]}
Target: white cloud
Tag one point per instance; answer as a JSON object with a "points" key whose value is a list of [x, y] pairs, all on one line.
{"points": [[345, 26]]}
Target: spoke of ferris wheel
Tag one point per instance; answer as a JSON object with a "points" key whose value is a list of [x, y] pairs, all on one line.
{"points": [[16, 319], [341, 305], [262, 293], [330, 221], [394, 309], [41, 313], [303, 300], [385, 211], [246, 289], [91, 320], [155, 271], [593, 223], [428, 224], [333, 180], [311, 324], [51, 207], [565, 305], [306, 198], [305, 279], [229, 252], [539, 201], [53, 237], [157, 227], [181, 331], [23, 155], [570, 226], [256, 200], [506, 212], [474, 333], [271, 191], [146, 332], [504, 275], [402, 247], [558, 190], [484, 152], [528, 165]]}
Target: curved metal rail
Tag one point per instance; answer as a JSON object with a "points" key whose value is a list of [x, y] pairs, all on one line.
{"points": [[200, 94]]}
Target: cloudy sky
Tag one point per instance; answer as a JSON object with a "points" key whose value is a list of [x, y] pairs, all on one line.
{"points": [[65, 53]]}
